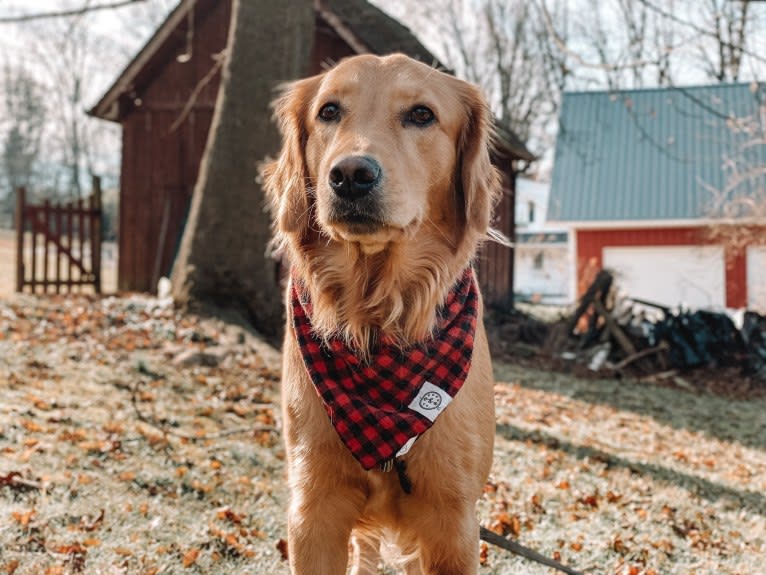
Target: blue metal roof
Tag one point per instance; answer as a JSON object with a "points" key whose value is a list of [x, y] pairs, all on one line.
{"points": [[651, 154]]}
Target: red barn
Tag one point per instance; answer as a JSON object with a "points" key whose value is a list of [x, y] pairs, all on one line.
{"points": [[658, 185], [164, 101]]}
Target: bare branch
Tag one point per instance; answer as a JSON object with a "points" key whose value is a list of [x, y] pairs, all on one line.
{"points": [[604, 65], [218, 60], [66, 13], [701, 31]]}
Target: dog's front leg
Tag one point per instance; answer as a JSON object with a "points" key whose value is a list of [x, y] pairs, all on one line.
{"points": [[319, 528]]}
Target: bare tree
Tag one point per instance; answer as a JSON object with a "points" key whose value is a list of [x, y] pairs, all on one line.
{"points": [[738, 208], [725, 33], [85, 8], [501, 46], [70, 52], [24, 111], [223, 257], [66, 53]]}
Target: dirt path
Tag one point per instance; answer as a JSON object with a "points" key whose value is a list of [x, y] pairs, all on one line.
{"points": [[136, 440]]}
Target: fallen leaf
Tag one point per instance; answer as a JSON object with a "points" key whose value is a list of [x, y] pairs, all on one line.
{"points": [[282, 548], [190, 557], [226, 514], [89, 525], [483, 554], [506, 524], [23, 519], [589, 500], [127, 476], [123, 552], [31, 426]]}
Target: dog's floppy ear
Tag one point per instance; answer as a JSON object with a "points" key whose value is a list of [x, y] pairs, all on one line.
{"points": [[286, 179], [477, 182]]}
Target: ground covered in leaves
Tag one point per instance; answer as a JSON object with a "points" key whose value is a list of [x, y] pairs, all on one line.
{"points": [[134, 439]]}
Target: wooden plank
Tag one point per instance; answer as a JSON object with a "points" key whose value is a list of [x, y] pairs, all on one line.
{"points": [[33, 218], [616, 331], [95, 237], [20, 223], [81, 236], [59, 253], [126, 200], [70, 241]]}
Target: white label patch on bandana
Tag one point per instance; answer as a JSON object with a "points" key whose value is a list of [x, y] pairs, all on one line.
{"points": [[430, 401]]}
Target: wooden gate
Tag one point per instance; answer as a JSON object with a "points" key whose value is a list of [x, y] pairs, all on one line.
{"points": [[58, 245]]}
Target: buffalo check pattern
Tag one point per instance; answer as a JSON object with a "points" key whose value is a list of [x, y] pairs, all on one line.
{"points": [[378, 405]]}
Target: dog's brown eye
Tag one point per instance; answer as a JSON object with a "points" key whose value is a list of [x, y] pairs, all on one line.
{"points": [[421, 116], [329, 112]]}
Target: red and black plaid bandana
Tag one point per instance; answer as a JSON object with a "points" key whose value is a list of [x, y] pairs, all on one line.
{"points": [[380, 406]]}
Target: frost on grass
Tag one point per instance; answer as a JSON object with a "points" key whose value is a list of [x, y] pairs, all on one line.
{"points": [[116, 460], [137, 440]]}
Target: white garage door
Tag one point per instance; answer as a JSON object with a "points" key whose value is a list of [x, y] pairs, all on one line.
{"points": [[671, 275], [756, 278]]}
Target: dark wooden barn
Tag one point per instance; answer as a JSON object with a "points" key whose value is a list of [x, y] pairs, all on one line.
{"points": [[164, 100]]}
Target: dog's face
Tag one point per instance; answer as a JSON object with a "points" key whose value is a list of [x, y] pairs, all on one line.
{"points": [[381, 146], [376, 147]]}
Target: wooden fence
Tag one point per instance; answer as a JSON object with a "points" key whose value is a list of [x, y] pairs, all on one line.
{"points": [[58, 245]]}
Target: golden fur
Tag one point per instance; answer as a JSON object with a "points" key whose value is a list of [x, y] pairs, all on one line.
{"points": [[385, 279]]}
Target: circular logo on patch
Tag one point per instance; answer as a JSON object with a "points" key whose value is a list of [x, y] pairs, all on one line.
{"points": [[430, 400]]}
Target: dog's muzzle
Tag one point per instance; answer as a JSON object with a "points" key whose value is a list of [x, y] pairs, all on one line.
{"points": [[355, 182], [354, 177]]}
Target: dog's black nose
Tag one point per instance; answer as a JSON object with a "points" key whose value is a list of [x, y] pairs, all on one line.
{"points": [[354, 177]]}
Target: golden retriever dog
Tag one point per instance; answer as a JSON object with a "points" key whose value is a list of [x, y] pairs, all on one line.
{"points": [[381, 194]]}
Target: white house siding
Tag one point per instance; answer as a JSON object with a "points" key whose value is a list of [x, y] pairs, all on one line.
{"points": [[542, 272]]}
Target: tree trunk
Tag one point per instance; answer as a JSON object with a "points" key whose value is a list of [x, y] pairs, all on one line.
{"points": [[223, 257]]}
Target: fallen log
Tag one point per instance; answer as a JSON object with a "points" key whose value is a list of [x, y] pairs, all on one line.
{"points": [[616, 331], [663, 346]]}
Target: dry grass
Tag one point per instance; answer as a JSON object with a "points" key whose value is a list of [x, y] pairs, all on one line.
{"points": [[131, 462]]}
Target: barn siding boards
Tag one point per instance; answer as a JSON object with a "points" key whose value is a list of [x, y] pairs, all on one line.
{"points": [[160, 165], [329, 48], [127, 225]]}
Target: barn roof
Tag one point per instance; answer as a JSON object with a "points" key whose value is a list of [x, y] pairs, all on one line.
{"points": [[653, 154], [375, 30], [364, 27]]}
